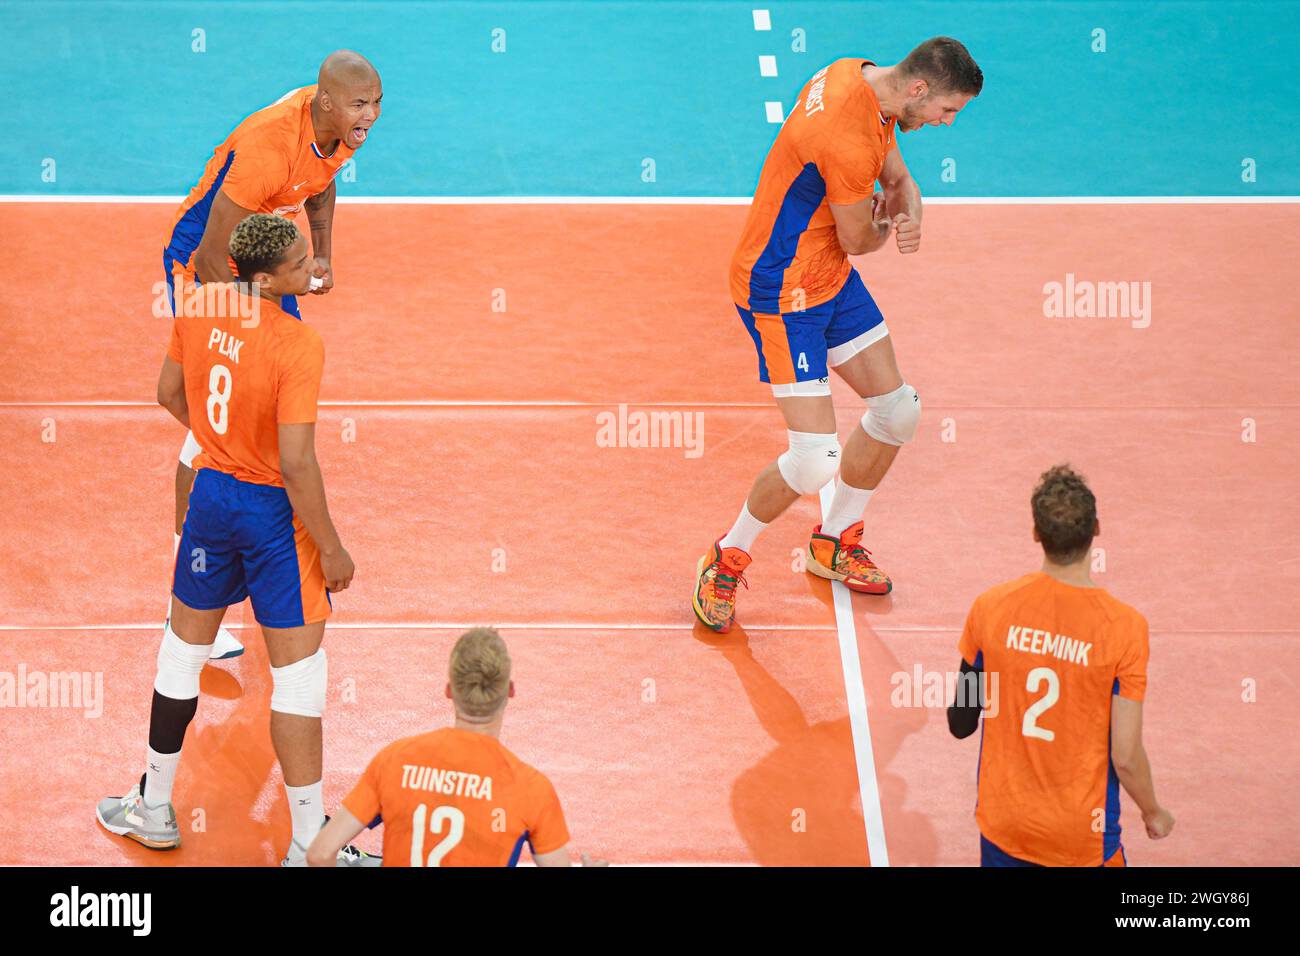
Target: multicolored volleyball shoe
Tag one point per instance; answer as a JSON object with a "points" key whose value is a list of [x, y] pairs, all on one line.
{"points": [[717, 575], [128, 816], [844, 559]]}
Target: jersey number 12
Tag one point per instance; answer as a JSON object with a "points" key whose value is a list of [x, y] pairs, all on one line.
{"points": [[450, 818]]}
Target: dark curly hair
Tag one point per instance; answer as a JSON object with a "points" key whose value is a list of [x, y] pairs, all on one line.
{"points": [[1065, 514]]}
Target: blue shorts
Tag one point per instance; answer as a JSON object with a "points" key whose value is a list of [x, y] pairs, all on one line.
{"points": [[243, 540], [993, 855], [288, 303], [796, 350]]}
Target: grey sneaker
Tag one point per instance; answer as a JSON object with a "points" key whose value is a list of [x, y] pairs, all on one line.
{"points": [[128, 816], [348, 856]]}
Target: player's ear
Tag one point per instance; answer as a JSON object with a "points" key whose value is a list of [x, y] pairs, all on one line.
{"points": [[447, 690], [1096, 527], [1036, 537], [511, 692]]}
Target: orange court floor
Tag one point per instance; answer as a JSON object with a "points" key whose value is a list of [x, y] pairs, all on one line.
{"points": [[481, 470]]}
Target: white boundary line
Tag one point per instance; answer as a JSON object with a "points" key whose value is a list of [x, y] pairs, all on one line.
{"points": [[668, 626], [691, 200], [856, 697], [438, 626], [507, 403]]}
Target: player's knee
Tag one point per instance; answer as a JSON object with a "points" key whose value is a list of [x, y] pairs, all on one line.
{"points": [[299, 688], [892, 418], [810, 462], [189, 450], [179, 665]]}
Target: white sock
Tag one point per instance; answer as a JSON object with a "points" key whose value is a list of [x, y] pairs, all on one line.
{"points": [[744, 531], [159, 775], [847, 507], [306, 810]]}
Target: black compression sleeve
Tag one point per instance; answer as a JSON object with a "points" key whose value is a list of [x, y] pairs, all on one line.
{"points": [[964, 714]]}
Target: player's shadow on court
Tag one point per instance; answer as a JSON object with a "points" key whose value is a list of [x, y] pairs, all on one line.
{"points": [[800, 805], [227, 812]]}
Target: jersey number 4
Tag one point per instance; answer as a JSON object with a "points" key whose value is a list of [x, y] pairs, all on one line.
{"points": [[219, 386], [1037, 677], [449, 818]]}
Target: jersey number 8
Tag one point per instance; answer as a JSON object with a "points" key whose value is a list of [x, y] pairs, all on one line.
{"points": [[219, 386]]}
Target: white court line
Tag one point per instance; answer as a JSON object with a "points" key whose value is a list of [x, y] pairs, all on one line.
{"points": [[692, 200], [435, 626], [442, 403], [856, 697], [667, 626], [489, 403]]}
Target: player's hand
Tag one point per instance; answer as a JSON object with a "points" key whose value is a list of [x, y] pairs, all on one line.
{"points": [[880, 215], [325, 273], [1159, 824], [338, 570], [907, 232], [588, 861]]}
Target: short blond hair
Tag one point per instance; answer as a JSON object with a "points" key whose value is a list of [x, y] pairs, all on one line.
{"points": [[480, 673]]}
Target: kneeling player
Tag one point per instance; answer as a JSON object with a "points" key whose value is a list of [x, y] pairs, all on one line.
{"points": [[456, 796], [257, 527]]}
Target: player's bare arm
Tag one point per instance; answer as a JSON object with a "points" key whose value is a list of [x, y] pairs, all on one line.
{"points": [[1133, 768], [320, 214], [211, 259], [862, 227], [902, 202], [306, 489], [560, 857], [171, 391], [342, 829]]}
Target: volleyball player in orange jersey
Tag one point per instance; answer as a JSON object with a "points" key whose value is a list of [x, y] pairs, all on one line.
{"points": [[280, 160], [457, 796], [807, 311], [1068, 664], [245, 377]]}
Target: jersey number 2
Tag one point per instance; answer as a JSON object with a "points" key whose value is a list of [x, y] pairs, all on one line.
{"points": [[422, 819], [219, 385], [1029, 727]]}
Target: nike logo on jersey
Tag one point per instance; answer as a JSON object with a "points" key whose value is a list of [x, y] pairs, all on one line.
{"points": [[300, 185]]}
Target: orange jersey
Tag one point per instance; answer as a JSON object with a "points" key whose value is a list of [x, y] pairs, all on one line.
{"points": [[1053, 656], [456, 798], [270, 164], [244, 377], [831, 149]]}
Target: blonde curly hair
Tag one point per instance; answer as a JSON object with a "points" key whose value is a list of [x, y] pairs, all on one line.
{"points": [[259, 243]]}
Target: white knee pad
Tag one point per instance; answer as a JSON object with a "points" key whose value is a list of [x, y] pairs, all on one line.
{"points": [[299, 688], [189, 450], [812, 460], [891, 418], [179, 665]]}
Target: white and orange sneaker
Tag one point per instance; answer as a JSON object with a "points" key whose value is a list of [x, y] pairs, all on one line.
{"points": [[717, 575], [844, 559]]}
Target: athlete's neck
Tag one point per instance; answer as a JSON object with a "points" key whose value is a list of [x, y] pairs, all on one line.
{"points": [[1076, 573], [323, 142], [490, 729], [881, 81]]}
